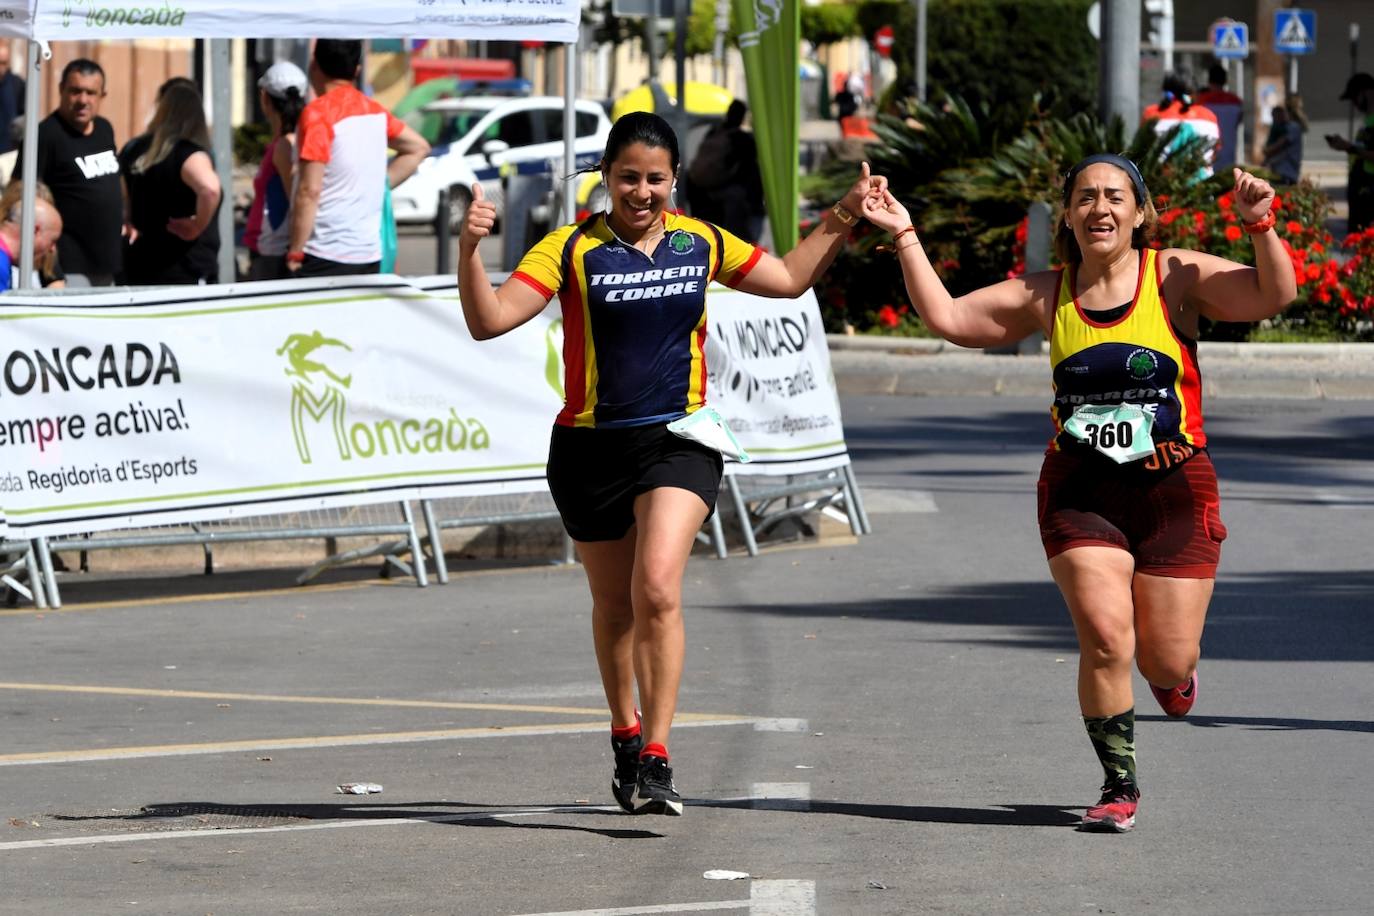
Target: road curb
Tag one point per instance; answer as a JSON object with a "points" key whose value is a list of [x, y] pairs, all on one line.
{"points": [[1335, 372]]}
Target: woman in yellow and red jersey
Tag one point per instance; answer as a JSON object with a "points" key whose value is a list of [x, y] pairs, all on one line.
{"points": [[632, 495], [1127, 498]]}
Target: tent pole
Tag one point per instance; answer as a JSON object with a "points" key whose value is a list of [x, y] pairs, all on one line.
{"points": [[223, 144], [30, 170], [569, 131]]}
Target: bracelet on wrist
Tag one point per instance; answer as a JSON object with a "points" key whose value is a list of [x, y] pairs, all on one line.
{"points": [[844, 214], [295, 257], [1261, 225], [896, 248]]}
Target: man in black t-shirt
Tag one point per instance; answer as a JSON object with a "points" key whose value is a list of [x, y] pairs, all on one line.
{"points": [[76, 159], [11, 97]]}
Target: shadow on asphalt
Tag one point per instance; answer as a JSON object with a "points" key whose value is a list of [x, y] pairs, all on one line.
{"points": [[143, 585], [1331, 451], [1279, 616], [213, 815], [1011, 431], [1033, 611], [1001, 816], [1261, 723]]}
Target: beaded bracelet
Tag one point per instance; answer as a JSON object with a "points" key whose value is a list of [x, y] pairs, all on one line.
{"points": [[894, 247]]}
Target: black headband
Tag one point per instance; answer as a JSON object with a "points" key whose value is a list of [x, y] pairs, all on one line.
{"points": [[1121, 162]]}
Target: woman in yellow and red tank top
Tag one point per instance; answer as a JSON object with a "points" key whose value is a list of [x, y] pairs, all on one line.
{"points": [[1127, 498]]}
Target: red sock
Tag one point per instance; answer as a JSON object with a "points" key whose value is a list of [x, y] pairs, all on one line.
{"points": [[654, 750], [625, 732]]}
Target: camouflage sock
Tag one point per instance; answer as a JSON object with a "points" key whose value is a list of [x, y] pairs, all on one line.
{"points": [[1113, 739]]}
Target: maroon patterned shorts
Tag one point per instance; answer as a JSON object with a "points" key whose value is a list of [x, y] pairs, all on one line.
{"points": [[1170, 522]]}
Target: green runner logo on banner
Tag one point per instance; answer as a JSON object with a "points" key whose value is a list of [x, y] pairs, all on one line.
{"points": [[304, 400], [318, 393]]}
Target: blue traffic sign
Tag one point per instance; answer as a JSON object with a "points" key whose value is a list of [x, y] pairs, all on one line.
{"points": [[1295, 31], [1230, 40]]}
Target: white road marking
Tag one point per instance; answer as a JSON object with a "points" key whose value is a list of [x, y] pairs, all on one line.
{"points": [[309, 743], [780, 725], [794, 796], [156, 693], [656, 908], [766, 898], [885, 499], [203, 833], [782, 898], [1342, 501]]}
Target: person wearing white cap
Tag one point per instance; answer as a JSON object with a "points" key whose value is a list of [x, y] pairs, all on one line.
{"points": [[281, 92]]}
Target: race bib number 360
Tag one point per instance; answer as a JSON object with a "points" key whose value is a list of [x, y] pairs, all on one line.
{"points": [[1122, 432]]}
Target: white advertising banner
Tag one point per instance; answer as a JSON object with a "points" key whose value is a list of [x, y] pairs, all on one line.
{"points": [[129, 409], [770, 378], [216, 402], [507, 20]]}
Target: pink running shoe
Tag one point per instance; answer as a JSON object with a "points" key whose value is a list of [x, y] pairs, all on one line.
{"points": [[1115, 813], [1176, 701]]}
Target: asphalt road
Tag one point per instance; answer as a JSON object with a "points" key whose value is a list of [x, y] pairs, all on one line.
{"points": [[885, 726]]}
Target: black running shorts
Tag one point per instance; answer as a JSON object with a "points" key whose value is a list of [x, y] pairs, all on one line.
{"points": [[595, 474]]}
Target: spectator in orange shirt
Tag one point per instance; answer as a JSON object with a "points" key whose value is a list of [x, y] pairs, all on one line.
{"points": [[1177, 108], [342, 138]]}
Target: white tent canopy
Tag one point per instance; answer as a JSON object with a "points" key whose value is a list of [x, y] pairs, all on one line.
{"points": [[503, 20], [82, 20]]}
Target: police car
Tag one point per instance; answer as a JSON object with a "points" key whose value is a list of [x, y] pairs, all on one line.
{"points": [[481, 136]]}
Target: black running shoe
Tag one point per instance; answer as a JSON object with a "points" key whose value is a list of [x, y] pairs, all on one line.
{"points": [[655, 792], [626, 769]]}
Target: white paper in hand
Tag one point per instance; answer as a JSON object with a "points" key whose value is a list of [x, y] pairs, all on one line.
{"points": [[707, 426]]}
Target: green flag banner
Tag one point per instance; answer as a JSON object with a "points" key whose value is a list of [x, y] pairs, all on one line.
{"points": [[769, 34]]}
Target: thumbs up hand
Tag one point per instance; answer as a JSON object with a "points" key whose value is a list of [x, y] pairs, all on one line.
{"points": [[868, 185], [479, 220]]}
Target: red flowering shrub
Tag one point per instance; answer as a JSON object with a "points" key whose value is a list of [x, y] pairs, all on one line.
{"points": [[967, 187], [1355, 281], [1335, 287]]}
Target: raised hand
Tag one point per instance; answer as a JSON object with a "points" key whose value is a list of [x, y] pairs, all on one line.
{"points": [[1254, 196], [865, 187], [886, 212], [480, 219]]}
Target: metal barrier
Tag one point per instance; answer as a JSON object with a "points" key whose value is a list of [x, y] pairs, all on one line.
{"points": [[514, 508], [761, 502], [326, 524], [482, 511], [16, 558], [758, 503]]}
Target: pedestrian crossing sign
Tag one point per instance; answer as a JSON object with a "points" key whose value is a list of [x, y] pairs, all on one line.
{"points": [[1230, 40], [1295, 31]]}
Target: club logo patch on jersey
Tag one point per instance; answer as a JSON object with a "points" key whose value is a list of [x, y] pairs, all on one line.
{"points": [[681, 242], [1142, 364]]}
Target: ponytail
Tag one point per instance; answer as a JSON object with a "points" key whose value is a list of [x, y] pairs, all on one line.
{"points": [[289, 106]]}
